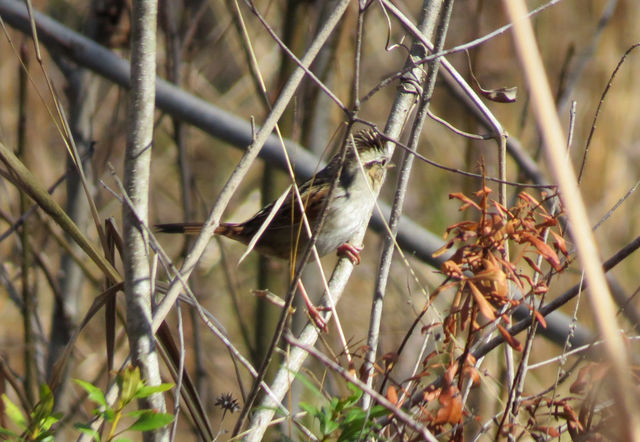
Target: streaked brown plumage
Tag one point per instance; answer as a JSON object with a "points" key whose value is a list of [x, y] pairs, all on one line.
{"points": [[350, 204]]}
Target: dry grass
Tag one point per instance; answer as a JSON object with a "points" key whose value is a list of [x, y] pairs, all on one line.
{"points": [[213, 67]]}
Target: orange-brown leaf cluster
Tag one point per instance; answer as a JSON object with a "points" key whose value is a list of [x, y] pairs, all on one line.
{"points": [[583, 412], [485, 279]]}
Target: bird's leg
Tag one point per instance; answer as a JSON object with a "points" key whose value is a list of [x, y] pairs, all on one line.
{"points": [[350, 251], [313, 311]]}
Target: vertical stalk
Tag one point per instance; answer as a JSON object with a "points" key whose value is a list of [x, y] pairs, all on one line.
{"points": [[554, 142], [136, 182], [27, 296], [434, 13]]}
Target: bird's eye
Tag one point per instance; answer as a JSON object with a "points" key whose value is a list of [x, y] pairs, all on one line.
{"points": [[382, 162]]}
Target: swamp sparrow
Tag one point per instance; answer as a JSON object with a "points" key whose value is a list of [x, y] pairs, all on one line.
{"points": [[350, 203]]}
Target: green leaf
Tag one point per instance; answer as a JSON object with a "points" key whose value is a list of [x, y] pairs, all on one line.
{"points": [[148, 390], [137, 413], [14, 413], [352, 432], [130, 383], [311, 410], [328, 425], [355, 414], [45, 406], [45, 392], [355, 430], [86, 429], [151, 420], [336, 405], [95, 394], [354, 425], [48, 421], [378, 411], [108, 414], [355, 397]]}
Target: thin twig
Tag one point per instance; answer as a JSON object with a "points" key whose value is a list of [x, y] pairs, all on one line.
{"points": [[424, 433], [435, 21], [600, 104]]}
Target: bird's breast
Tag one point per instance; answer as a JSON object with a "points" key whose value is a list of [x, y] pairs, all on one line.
{"points": [[345, 216]]}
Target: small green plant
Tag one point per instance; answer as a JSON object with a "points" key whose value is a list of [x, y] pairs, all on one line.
{"points": [[38, 425], [344, 419], [132, 388]]}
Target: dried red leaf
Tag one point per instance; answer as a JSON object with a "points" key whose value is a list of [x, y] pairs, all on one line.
{"points": [[450, 374], [532, 264], [428, 327], [547, 221], [549, 431], [463, 226], [570, 415], [449, 327], [486, 190], [540, 288], [560, 243], [528, 199], [504, 213], [465, 199], [471, 373], [430, 393], [540, 318], [513, 342], [392, 394], [527, 278], [465, 313], [485, 308], [451, 269], [584, 377], [442, 250], [544, 249], [442, 288], [511, 227], [451, 410], [493, 273], [456, 300]]}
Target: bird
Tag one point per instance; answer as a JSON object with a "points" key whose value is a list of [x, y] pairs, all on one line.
{"points": [[347, 205]]}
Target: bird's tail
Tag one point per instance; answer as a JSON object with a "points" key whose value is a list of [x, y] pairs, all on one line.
{"points": [[186, 228], [224, 229]]}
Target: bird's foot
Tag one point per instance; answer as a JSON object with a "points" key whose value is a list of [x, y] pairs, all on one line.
{"points": [[312, 309], [350, 251]]}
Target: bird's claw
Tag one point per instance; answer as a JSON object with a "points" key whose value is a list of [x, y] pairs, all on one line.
{"points": [[350, 251]]}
